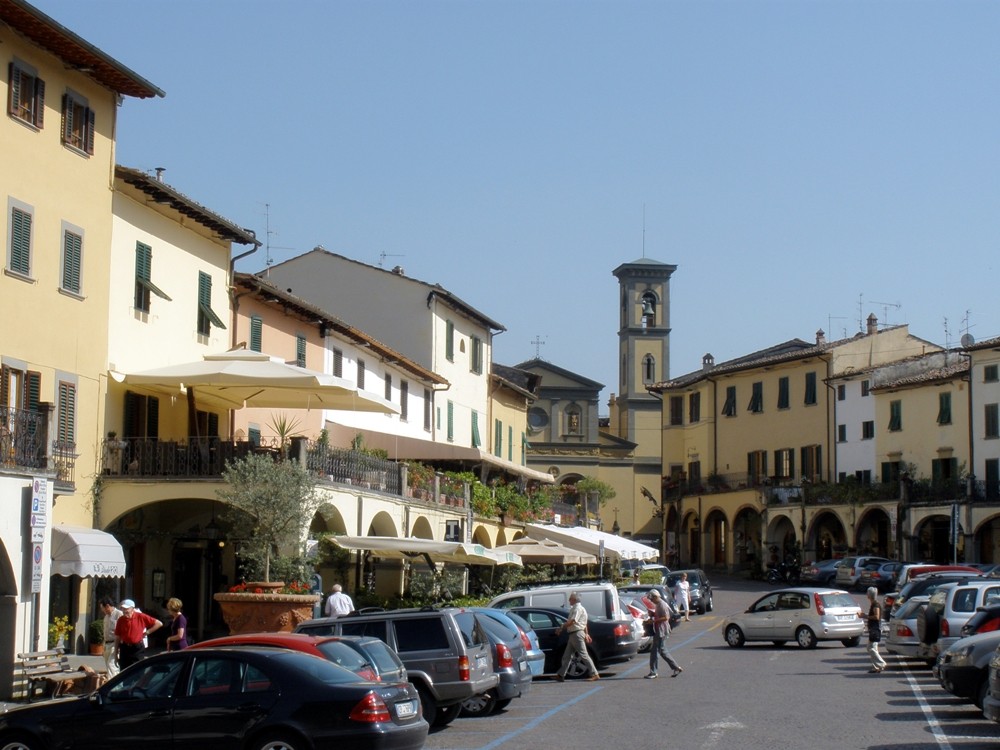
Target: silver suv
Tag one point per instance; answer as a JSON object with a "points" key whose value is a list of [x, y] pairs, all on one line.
{"points": [[950, 607], [447, 653], [849, 570]]}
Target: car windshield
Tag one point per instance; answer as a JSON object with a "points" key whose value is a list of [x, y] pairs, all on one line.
{"points": [[320, 669], [383, 656], [838, 599], [910, 609], [343, 655]]}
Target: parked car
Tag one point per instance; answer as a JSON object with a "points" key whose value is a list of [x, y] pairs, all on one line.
{"points": [[901, 631], [925, 584], [915, 570], [986, 568], [963, 668], [881, 575], [700, 594], [991, 702], [447, 654], [819, 572], [806, 615], [638, 608], [200, 698], [599, 599], [536, 657], [986, 619], [950, 607], [510, 662], [612, 640], [849, 570], [368, 658]]}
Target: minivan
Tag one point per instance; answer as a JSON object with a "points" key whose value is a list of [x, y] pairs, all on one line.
{"points": [[599, 599]]}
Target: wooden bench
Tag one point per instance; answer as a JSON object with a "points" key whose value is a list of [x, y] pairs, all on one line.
{"points": [[44, 671]]}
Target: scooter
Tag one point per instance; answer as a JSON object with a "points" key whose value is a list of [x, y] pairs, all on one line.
{"points": [[787, 573]]}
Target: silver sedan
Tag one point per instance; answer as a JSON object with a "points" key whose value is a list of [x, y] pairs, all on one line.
{"points": [[805, 615]]}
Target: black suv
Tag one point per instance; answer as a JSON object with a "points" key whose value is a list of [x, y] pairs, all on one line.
{"points": [[447, 654], [700, 593]]}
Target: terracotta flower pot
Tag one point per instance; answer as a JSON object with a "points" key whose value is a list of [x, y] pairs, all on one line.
{"points": [[265, 612]]}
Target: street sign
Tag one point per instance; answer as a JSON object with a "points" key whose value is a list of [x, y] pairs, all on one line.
{"points": [[37, 533]]}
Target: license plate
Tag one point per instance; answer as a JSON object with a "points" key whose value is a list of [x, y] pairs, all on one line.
{"points": [[521, 666], [846, 618], [409, 708], [481, 662]]}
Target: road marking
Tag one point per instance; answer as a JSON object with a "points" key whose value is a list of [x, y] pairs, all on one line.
{"points": [[932, 722], [718, 731]]}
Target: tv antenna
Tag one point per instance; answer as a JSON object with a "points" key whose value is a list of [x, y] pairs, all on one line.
{"points": [[538, 344], [829, 323], [967, 338], [383, 255], [267, 240], [885, 309]]}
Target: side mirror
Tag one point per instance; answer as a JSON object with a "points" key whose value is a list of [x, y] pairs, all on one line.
{"points": [[96, 699]]}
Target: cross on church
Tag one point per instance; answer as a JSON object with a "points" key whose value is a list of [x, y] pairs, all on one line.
{"points": [[538, 343]]}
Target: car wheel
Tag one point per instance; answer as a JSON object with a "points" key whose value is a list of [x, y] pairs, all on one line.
{"points": [[805, 637], [983, 691], [430, 709], [479, 705], [734, 636], [711, 604], [446, 715], [701, 608], [928, 625], [851, 642], [278, 741], [18, 742]]}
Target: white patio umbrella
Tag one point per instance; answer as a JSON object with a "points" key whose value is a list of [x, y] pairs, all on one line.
{"points": [[240, 377], [546, 552], [405, 548]]}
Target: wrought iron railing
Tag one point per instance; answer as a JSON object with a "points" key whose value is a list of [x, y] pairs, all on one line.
{"points": [[23, 438], [354, 468]]}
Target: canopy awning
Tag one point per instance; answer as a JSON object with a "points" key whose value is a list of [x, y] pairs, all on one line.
{"points": [[406, 548], [401, 448], [547, 552], [88, 553], [589, 540]]}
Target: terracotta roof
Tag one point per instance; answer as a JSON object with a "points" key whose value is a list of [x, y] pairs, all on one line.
{"points": [[951, 369], [985, 344], [163, 193], [76, 52]]}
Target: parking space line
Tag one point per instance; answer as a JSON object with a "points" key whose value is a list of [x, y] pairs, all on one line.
{"points": [[940, 736]]}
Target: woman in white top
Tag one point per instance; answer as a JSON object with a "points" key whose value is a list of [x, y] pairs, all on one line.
{"points": [[682, 595]]}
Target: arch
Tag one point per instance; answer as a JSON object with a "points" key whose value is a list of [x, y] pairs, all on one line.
{"points": [[987, 540], [826, 537], [747, 535], [873, 533], [328, 518], [714, 532], [421, 528], [932, 540], [482, 536], [648, 302], [573, 415], [382, 524], [781, 539], [689, 545], [648, 369]]}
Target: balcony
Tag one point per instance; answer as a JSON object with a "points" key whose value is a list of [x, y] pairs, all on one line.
{"points": [[23, 441]]}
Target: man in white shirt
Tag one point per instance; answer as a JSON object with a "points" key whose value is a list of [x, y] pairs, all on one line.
{"points": [[338, 603], [576, 627], [111, 615]]}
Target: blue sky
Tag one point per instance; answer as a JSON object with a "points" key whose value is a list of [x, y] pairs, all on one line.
{"points": [[803, 163]]}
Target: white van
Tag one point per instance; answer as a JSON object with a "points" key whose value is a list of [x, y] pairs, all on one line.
{"points": [[599, 599]]}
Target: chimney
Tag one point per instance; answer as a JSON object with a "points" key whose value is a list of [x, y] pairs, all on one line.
{"points": [[399, 271], [159, 173], [707, 362], [820, 337], [872, 324]]}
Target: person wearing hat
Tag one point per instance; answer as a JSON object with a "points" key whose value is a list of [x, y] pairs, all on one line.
{"points": [[661, 631], [130, 630]]}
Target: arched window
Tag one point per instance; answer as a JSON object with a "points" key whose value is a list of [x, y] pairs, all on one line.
{"points": [[624, 371], [624, 310], [648, 369], [648, 314]]}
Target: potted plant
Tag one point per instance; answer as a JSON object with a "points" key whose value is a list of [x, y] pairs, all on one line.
{"points": [[95, 637], [58, 631]]}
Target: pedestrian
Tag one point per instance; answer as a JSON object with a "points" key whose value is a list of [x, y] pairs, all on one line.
{"points": [[874, 620], [338, 603], [661, 631], [576, 644], [130, 630], [682, 595], [178, 638], [111, 615]]}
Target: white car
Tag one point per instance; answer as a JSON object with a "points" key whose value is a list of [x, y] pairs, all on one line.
{"points": [[805, 615]]}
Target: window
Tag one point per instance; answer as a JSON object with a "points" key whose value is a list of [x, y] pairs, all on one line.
{"points": [[864, 477], [729, 408], [694, 408], [476, 361], [388, 387], [841, 433], [338, 363], [895, 416], [865, 388], [694, 473], [756, 404], [784, 464], [300, 350], [992, 421], [19, 247], [206, 315], [648, 310], [253, 436], [449, 341], [890, 471], [256, 333], [811, 463], [990, 374], [72, 257], [497, 437], [944, 408], [783, 400], [624, 372], [573, 421], [810, 389], [20, 391], [361, 374], [476, 441], [142, 416], [676, 411], [868, 430], [451, 421], [404, 400], [26, 96], [992, 478], [78, 123], [648, 369], [428, 406], [143, 276], [756, 467], [944, 469], [841, 392], [66, 418]]}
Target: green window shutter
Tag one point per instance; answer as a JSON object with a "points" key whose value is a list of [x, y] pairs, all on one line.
{"points": [[130, 420], [992, 426], [338, 363], [256, 332], [895, 416], [428, 406], [143, 261], [300, 350], [729, 408], [66, 424], [361, 374], [404, 400], [449, 341], [476, 361], [944, 408], [20, 242], [510, 443], [152, 417], [451, 421], [39, 104], [32, 390], [810, 388], [497, 438], [886, 472], [783, 399], [757, 398], [476, 442], [206, 315], [213, 424], [72, 255], [88, 144], [388, 387]]}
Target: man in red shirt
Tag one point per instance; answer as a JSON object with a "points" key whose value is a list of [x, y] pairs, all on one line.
{"points": [[130, 629]]}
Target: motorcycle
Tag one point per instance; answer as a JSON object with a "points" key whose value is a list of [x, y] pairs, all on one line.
{"points": [[786, 573]]}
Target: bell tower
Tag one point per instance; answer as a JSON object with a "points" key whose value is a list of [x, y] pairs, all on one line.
{"points": [[643, 350]]}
